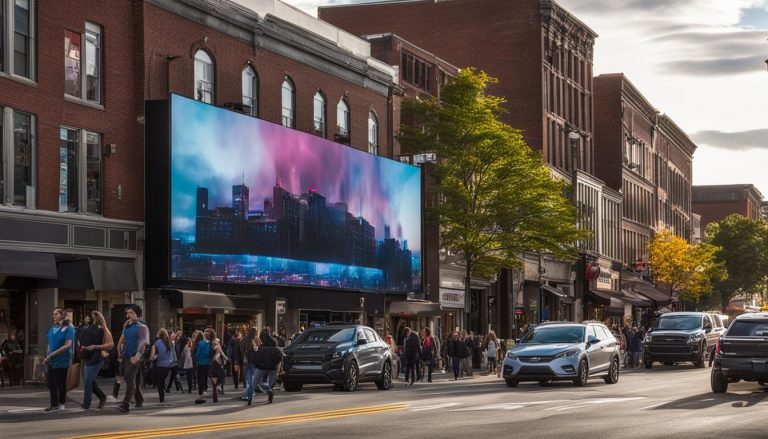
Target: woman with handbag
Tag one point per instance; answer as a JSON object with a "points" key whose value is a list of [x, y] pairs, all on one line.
{"points": [[162, 353], [95, 342]]}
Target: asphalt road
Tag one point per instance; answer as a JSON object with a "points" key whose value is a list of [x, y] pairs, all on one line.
{"points": [[665, 402]]}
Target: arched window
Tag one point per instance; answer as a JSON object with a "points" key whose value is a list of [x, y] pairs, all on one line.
{"points": [[203, 76], [289, 103], [251, 91], [319, 114], [373, 133], [342, 118]]}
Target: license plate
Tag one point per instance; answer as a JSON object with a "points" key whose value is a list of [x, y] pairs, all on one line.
{"points": [[760, 366]]}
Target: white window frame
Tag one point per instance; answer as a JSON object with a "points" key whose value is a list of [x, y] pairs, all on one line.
{"points": [[373, 124], [200, 77], [323, 116], [7, 113], [9, 41], [346, 118], [82, 172], [249, 74], [291, 121], [84, 53]]}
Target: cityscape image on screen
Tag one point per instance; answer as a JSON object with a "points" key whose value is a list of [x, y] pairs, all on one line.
{"points": [[255, 202]]}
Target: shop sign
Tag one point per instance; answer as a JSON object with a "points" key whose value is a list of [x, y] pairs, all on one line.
{"points": [[519, 310], [451, 298], [280, 306], [191, 310], [604, 279]]}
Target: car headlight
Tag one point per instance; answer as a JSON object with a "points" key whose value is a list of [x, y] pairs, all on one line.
{"points": [[511, 356], [567, 354], [648, 338], [339, 354], [695, 338]]}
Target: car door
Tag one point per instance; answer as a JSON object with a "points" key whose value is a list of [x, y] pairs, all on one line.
{"points": [[609, 344], [713, 334], [363, 353], [375, 346], [594, 351]]}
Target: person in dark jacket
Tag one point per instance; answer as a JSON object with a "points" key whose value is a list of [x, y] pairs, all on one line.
{"points": [[458, 351], [428, 352], [267, 360], [411, 351], [234, 354], [635, 347]]}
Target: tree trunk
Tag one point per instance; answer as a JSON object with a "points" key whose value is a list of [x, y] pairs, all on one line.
{"points": [[467, 292]]}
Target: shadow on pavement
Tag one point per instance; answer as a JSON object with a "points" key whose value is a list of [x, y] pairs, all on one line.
{"points": [[709, 399]]}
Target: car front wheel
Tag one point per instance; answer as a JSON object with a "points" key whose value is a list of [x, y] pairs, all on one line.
{"points": [[701, 362], [385, 383], [351, 379], [719, 383], [613, 372], [582, 375], [292, 387], [512, 383]]}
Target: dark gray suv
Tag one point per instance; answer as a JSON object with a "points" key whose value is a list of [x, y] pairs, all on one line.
{"points": [[678, 337], [742, 352], [342, 355]]}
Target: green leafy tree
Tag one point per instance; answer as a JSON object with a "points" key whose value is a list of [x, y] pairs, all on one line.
{"points": [[495, 196], [687, 270], [743, 249]]}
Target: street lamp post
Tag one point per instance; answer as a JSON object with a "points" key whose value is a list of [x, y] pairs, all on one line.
{"points": [[574, 137]]}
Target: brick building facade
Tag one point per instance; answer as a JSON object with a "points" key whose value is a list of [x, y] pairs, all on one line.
{"points": [[715, 202], [72, 165]]}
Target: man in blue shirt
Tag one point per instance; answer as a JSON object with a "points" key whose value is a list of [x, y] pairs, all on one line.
{"points": [[131, 346], [60, 350]]}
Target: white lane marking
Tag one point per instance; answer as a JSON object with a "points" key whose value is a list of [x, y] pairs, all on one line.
{"points": [[435, 407], [505, 406], [592, 402], [655, 405]]}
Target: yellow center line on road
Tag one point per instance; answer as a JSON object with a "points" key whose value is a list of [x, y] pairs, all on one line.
{"points": [[276, 420]]}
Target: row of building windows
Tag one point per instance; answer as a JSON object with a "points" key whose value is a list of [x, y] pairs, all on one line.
{"points": [[638, 158], [638, 204], [635, 247], [415, 71], [17, 38], [80, 160], [205, 88], [567, 63], [564, 153], [610, 242], [567, 101], [588, 206]]}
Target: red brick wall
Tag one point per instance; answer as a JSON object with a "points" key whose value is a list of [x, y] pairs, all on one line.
{"points": [[717, 211], [608, 130], [468, 33], [116, 122], [166, 33]]}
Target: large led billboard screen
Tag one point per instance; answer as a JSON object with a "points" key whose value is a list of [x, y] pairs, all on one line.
{"points": [[255, 202]]}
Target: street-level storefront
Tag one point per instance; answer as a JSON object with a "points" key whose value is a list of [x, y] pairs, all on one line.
{"points": [[49, 259], [197, 310], [548, 293], [603, 298], [452, 310], [413, 314]]}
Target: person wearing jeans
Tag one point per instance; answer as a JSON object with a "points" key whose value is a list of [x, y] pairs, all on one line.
{"points": [[95, 340], [61, 339], [163, 353], [132, 344], [266, 359]]}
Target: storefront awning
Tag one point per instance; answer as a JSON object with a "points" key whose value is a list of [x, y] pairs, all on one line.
{"points": [[634, 298], [198, 299], [27, 264], [560, 294], [598, 297], [412, 308], [650, 291], [98, 274]]}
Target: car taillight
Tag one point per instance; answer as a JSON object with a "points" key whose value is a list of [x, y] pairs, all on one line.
{"points": [[718, 351]]}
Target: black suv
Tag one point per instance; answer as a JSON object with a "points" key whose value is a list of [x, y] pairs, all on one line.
{"points": [[342, 355], [742, 352], [680, 336]]}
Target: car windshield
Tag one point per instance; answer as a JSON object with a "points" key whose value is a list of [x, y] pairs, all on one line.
{"points": [[327, 335], [680, 323], [555, 334], [746, 328]]}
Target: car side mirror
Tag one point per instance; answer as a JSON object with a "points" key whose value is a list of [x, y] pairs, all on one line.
{"points": [[592, 340], [362, 341]]}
